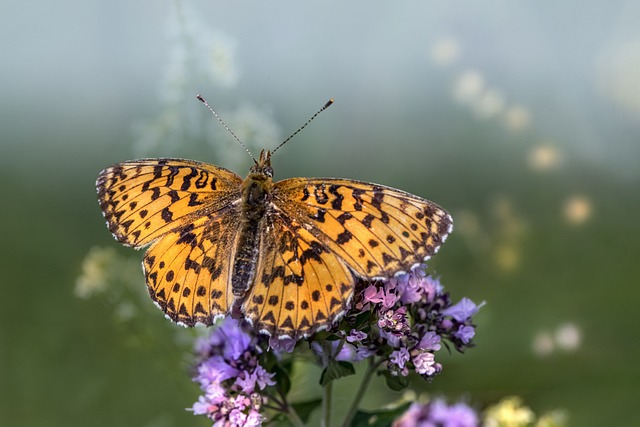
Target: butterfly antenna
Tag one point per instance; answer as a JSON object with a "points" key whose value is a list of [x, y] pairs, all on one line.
{"points": [[304, 125], [204, 101]]}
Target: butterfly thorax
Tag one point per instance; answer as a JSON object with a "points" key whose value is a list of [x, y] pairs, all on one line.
{"points": [[256, 194]]}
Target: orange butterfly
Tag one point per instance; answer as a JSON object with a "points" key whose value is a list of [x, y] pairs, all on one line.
{"points": [[284, 255]]}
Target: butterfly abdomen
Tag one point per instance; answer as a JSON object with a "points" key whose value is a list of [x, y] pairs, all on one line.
{"points": [[255, 197]]}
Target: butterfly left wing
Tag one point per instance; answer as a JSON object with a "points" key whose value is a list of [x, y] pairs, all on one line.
{"points": [[378, 231], [144, 199], [301, 286]]}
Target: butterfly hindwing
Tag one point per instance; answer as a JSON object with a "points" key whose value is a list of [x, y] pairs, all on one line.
{"points": [[378, 231], [188, 270], [144, 199], [301, 286]]}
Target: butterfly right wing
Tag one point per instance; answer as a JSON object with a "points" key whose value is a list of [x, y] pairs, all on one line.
{"points": [[301, 286], [188, 270]]}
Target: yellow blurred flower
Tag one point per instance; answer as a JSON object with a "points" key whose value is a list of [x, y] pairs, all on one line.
{"points": [[95, 272], [507, 257], [544, 157], [577, 209], [552, 419], [509, 412]]}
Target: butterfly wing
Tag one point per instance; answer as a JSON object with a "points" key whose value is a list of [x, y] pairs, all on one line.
{"points": [[378, 231], [188, 210], [301, 286], [188, 269], [144, 199]]}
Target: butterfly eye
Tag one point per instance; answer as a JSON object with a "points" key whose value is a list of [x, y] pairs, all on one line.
{"points": [[268, 170]]}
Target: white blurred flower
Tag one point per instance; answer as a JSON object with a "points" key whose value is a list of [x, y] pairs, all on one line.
{"points": [[544, 157], [489, 104], [568, 337], [468, 87], [445, 51], [543, 344], [517, 118]]}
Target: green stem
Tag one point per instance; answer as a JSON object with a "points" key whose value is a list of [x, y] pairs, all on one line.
{"points": [[366, 379], [294, 417], [327, 390], [326, 405]]}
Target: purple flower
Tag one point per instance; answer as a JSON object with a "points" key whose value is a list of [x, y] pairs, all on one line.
{"points": [[372, 294], [347, 353], [395, 321], [400, 357], [457, 415], [465, 333], [430, 341], [282, 345], [425, 363], [230, 376], [214, 370], [463, 310], [385, 296], [432, 288], [363, 352], [438, 414], [415, 416], [355, 336]]}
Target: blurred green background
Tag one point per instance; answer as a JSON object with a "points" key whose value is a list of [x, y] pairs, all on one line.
{"points": [[522, 119]]}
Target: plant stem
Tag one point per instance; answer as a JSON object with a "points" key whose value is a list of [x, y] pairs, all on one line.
{"points": [[326, 405], [327, 390], [294, 417], [366, 379]]}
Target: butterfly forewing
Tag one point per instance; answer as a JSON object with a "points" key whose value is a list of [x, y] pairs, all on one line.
{"points": [[378, 231], [144, 199]]}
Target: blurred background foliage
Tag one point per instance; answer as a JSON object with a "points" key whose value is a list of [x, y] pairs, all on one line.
{"points": [[520, 118]]}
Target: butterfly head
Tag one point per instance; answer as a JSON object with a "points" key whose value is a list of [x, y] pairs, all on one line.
{"points": [[263, 165]]}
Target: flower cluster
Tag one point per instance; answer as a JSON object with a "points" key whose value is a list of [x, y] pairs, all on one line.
{"points": [[509, 412], [397, 325], [231, 377], [437, 413], [409, 316]]}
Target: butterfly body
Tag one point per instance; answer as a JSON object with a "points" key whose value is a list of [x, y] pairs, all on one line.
{"points": [[284, 255], [256, 195]]}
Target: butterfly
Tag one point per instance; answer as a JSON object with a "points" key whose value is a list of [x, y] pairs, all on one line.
{"points": [[283, 255]]}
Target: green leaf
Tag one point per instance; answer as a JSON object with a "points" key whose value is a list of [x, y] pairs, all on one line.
{"points": [[395, 382], [304, 409], [362, 320], [335, 370], [382, 418], [333, 337]]}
